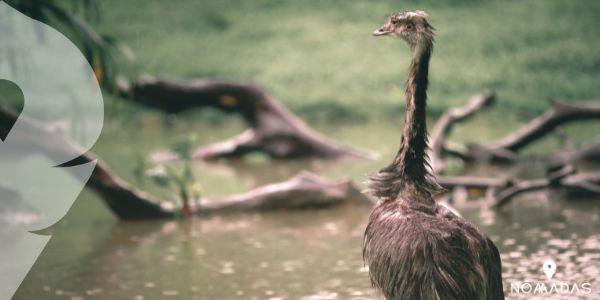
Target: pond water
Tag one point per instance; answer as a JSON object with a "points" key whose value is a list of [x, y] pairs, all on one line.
{"points": [[307, 254]]}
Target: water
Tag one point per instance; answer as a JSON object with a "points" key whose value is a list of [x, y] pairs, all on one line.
{"points": [[307, 254]]}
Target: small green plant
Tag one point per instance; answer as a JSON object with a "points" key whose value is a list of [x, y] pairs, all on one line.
{"points": [[179, 177], [139, 170]]}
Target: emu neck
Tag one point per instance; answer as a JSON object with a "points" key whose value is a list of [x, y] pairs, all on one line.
{"points": [[407, 178], [411, 158]]}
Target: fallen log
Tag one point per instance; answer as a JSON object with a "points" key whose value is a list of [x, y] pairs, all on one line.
{"points": [[501, 190], [560, 113], [589, 153], [444, 125], [305, 190], [582, 184], [127, 202], [273, 130], [470, 182], [515, 188], [554, 179], [476, 153], [506, 149]]}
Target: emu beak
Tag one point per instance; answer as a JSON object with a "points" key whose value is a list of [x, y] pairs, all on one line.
{"points": [[386, 29], [382, 31]]}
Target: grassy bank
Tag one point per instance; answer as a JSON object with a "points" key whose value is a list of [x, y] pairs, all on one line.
{"points": [[319, 58]]}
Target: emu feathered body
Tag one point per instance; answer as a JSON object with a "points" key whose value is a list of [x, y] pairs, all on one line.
{"points": [[415, 248]]}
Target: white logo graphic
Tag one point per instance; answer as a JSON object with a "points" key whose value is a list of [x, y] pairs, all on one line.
{"points": [[62, 103], [549, 268], [550, 288]]}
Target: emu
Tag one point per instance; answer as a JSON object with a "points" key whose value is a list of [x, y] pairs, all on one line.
{"points": [[415, 248]]}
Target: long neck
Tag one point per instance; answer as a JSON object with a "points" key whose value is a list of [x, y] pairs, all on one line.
{"points": [[411, 159], [408, 176]]}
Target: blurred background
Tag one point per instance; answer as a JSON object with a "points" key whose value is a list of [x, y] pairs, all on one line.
{"points": [[318, 59]]}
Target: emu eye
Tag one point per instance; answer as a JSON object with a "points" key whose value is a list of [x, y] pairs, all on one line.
{"points": [[410, 26]]}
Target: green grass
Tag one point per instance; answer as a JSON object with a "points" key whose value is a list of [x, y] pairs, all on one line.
{"points": [[319, 58]]}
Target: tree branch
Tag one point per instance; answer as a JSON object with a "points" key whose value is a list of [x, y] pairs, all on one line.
{"points": [[273, 129], [560, 113], [302, 191], [501, 191], [445, 123], [127, 202], [506, 149]]}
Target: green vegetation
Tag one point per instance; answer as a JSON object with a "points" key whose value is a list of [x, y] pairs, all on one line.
{"points": [[178, 178], [319, 58], [104, 53]]}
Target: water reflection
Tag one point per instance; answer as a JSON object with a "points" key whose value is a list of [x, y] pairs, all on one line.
{"points": [[307, 254], [289, 255]]}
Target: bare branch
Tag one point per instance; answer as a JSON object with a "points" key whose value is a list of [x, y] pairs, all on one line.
{"points": [[501, 191], [445, 123], [302, 191], [273, 129], [506, 149], [560, 113]]}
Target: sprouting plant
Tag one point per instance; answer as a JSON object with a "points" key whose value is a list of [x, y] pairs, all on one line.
{"points": [[179, 177], [139, 170]]}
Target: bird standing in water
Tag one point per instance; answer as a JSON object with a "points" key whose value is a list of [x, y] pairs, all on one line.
{"points": [[415, 248]]}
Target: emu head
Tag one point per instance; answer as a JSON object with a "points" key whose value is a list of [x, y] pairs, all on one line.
{"points": [[411, 26]]}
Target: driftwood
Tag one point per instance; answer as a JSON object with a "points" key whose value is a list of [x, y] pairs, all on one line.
{"points": [[302, 191], [559, 114], [125, 201], [272, 128], [501, 191], [444, 125], [506, 149], [590, 153]]}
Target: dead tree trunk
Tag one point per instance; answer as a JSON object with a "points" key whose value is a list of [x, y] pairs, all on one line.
{"points": [[273, 129], [126, 202], [444, 125], [501, 191], [304, 190], [506, 149], [559, 114], [591, 153]]}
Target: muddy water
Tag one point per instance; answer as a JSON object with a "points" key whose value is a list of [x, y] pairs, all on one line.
{"points": [[308, 254]]}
